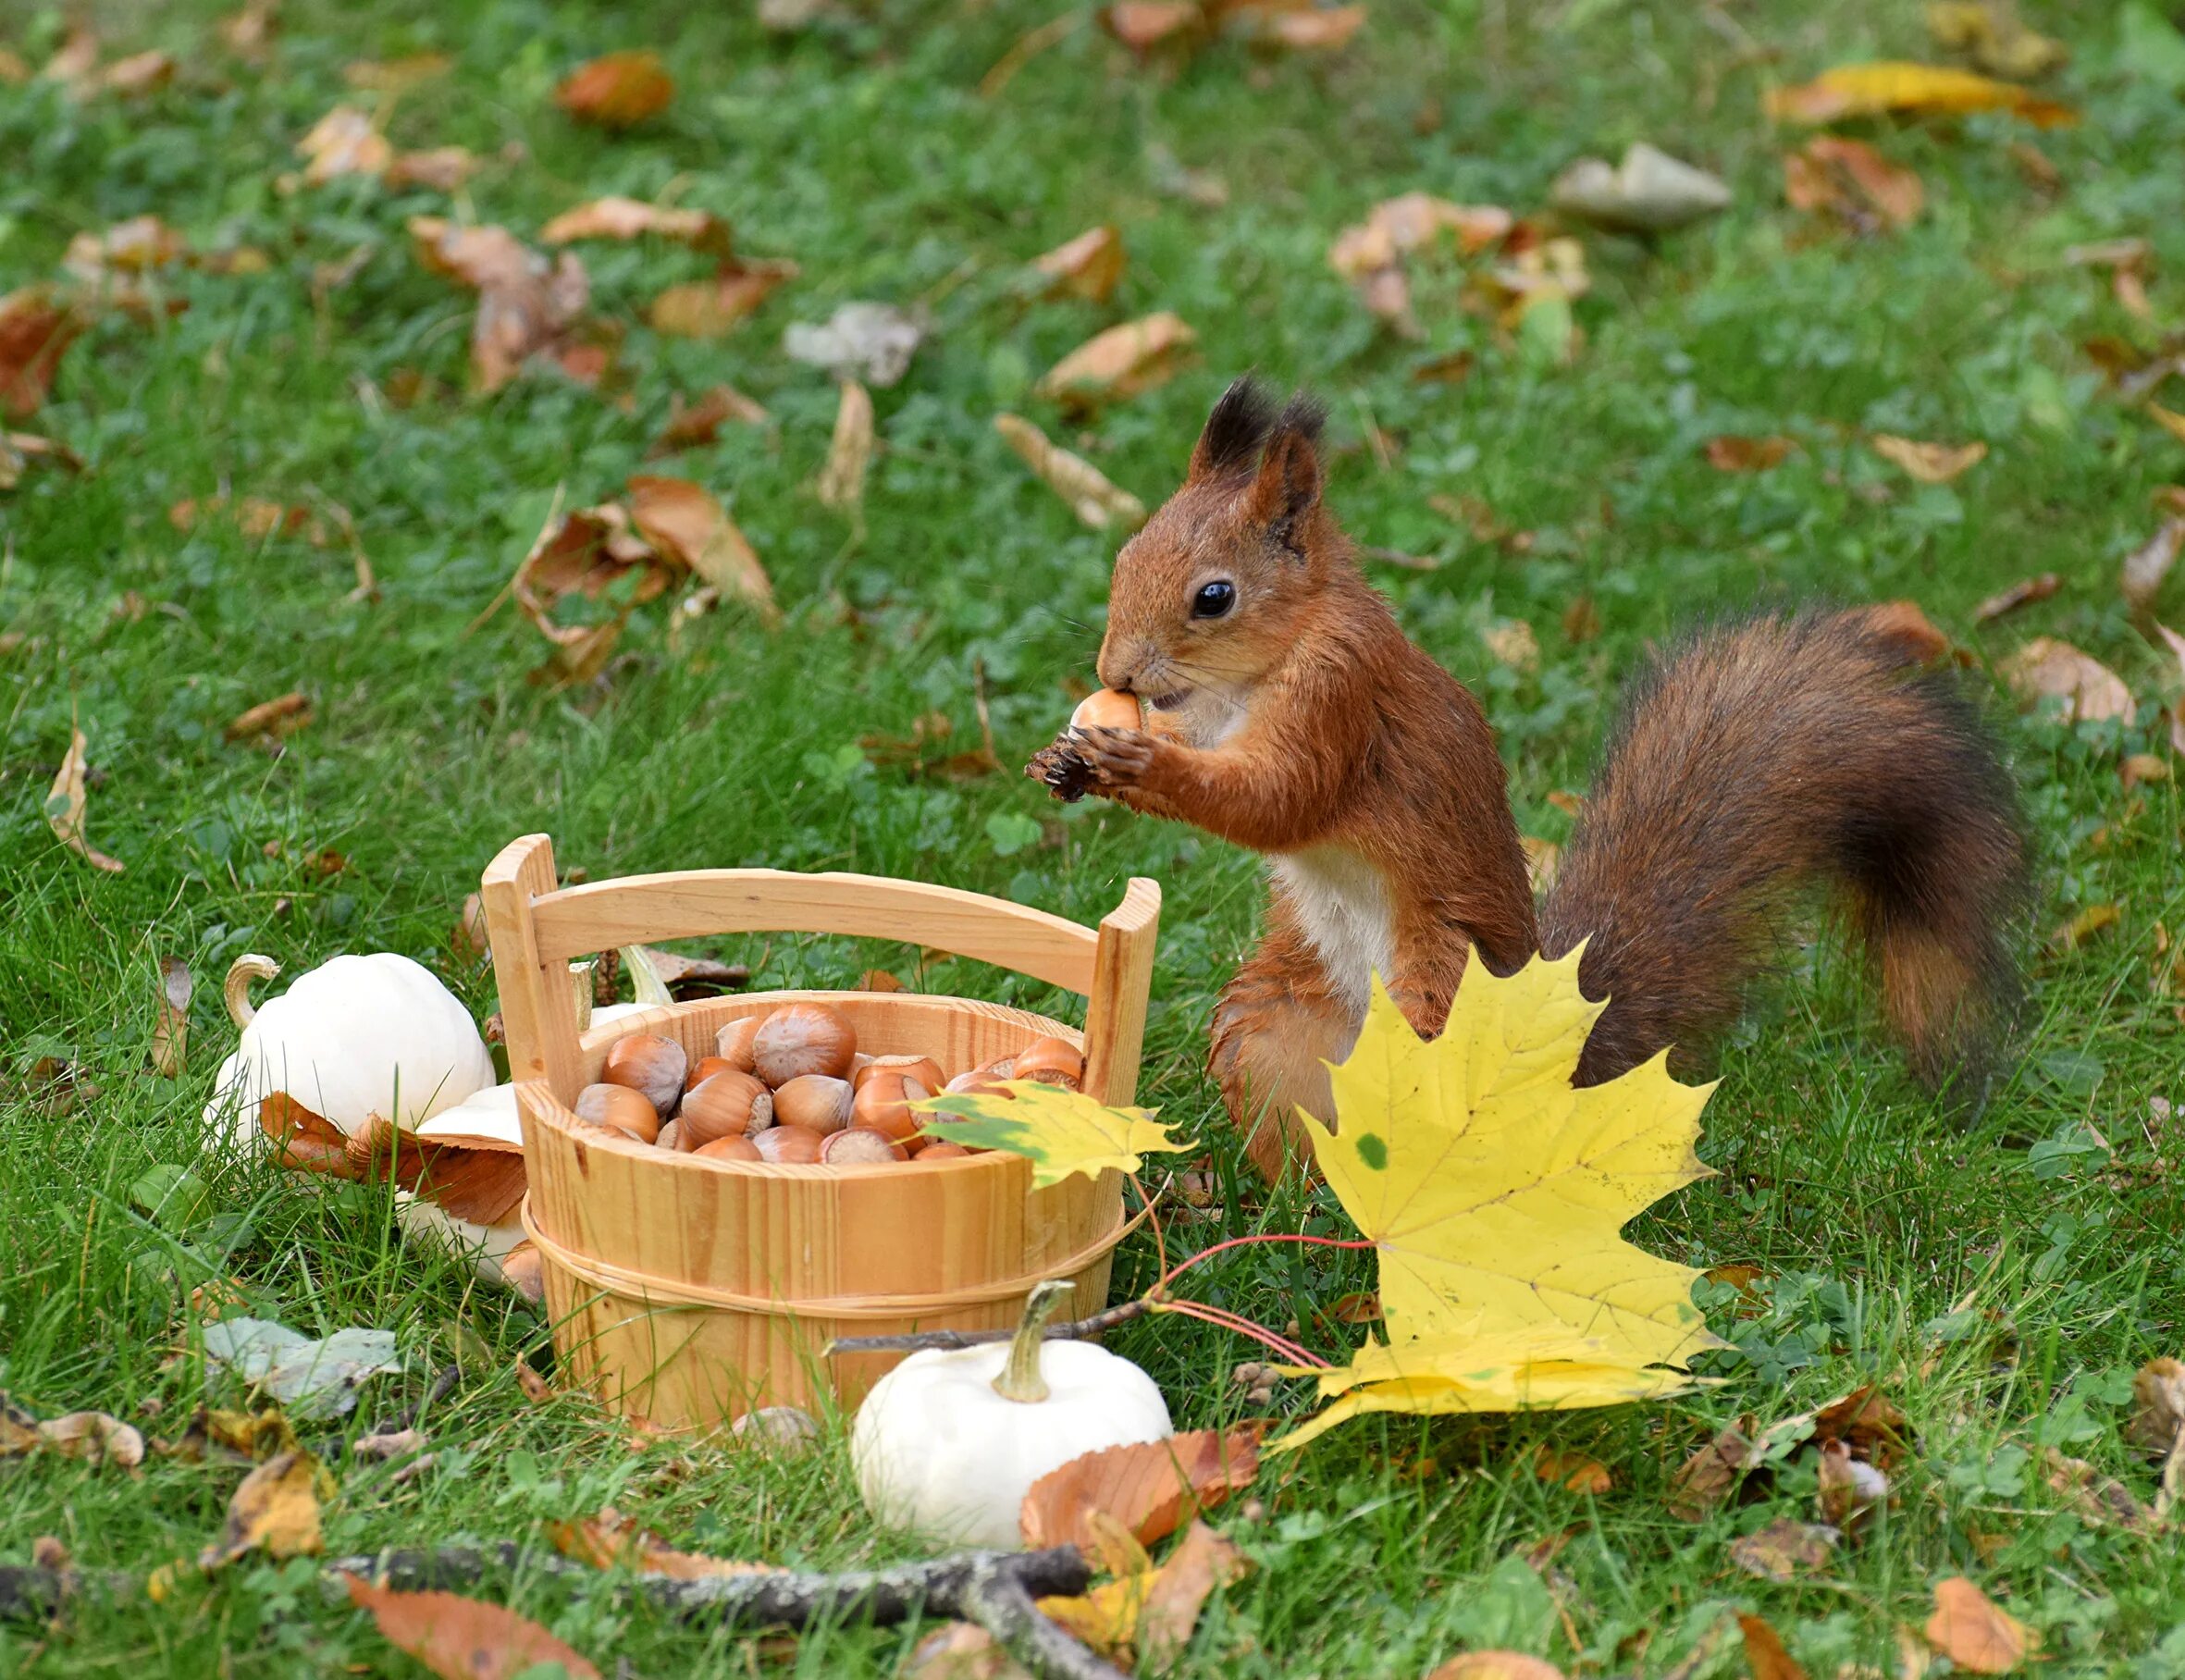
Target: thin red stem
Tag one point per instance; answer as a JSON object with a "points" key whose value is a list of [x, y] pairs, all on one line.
{"points": [[1153, 1218], [1208, 1253], [1226, 1320]]}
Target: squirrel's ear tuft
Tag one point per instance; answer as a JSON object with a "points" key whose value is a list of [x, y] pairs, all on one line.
{"points": [[1241, 422], [1287, 486]]}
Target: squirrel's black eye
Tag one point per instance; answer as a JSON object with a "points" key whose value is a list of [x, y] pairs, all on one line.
{"points": [[1215, 599]]}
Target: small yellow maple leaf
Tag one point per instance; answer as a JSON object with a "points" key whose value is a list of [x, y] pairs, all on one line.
{"points": [[1059, 1131], [1494, 1192]]}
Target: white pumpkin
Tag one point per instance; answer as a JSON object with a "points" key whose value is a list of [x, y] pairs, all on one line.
{"points": [[948, 1443], [356, 1036], [490, 1113]]}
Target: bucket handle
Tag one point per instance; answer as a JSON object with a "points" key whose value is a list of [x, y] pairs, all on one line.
{"points": [[535, 926]]}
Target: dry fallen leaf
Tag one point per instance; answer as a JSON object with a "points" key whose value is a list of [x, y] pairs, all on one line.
{"points": [[255, 517], [1989, 32], [1850, 1488], [443, 169], [700, 422], [1512, 642], [1496, 1665], [1650, 191], [618, 90], [344, 141], [1747, 454], [1764, 1655], [2047, 668], [2176, 644], [34, 332], [2096, 1499], [1151, 1612], [1372, 255], [1144, 24], [138, 74], [841, 480], [461, 1638], [63, 807], [396, 76], [628, 218], [1120, 362], [1853, 182], [1309, 29], [873, 343], [707, 309], [136, 246], [1914, 90], [1090, 496], [612, 1540], [689, 526], [170, 1032], [2158, 1406], [1783, 1549], [1150, 1488], [95, 1437], [2022, 593], [1571, 1470], [276, 1511], [1973, 1632], [1928, 463], [2146, 567], [525, 304], [1087, 267], [534, 1388], [280, 716]]}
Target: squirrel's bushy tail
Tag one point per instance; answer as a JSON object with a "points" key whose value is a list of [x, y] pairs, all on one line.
{"points": [[1757, 759]]}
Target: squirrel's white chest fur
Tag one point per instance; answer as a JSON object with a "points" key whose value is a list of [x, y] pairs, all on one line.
{"points": [[1342, 903]]}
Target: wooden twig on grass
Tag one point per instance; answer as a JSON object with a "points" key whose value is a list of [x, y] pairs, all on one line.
{"points": [[996, 1589]]}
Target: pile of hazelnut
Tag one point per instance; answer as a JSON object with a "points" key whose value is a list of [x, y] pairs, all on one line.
{"points": [[792, 1086]]}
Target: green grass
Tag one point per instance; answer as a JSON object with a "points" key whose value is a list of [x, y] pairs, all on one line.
{"points": [[861, 149]]}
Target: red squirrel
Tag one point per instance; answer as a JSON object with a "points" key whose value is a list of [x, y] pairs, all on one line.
{"points": [[1287, 712]]}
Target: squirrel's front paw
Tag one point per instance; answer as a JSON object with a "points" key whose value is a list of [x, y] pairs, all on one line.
{"points": [[1059, 766], [1117, 757]]}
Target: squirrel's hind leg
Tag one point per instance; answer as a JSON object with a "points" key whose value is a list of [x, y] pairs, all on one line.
{"points": [[1279, 1023]]}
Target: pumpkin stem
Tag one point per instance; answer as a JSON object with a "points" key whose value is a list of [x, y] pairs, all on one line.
{"points": [[236, 989], [1020, 1378]]}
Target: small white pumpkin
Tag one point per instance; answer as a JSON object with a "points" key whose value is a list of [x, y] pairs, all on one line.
{"points": [[356, 1036], [948, 1443]]}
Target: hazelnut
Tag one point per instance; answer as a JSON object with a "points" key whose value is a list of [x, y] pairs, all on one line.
{"points": [[730, 1148], [522, 1268], [978, 1081], [799, 1039], [883, 1107], [1107, 709], [814, 1100], [1052, 1061], [671, 1135], [733, 1043], [619, 1108], [728, 1105], [857, 1147], [923, 1068], [650, 1064], [943, 1152], [705, 1067], [790, 1145]]}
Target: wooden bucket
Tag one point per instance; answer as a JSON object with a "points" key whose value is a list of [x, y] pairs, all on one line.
{"points": [[687, 1291]]}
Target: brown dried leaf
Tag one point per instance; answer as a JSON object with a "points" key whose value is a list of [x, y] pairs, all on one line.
{"points": [[628, 218], [443, 169], [461, 1638], [2022, 593], [1571, 1470], [34, 333], [1707, 1478], [1142, 24], [1151, 1612], [276, 1511], [138, 74], [1928, 463], [1096, 502], [1496, 1665], [344, 141], [2047, 668], [1152, 1489], [707, 309], [841, 481], [1850, 181], [1850, 1488], [1512, 642], [305, 1141], [2147, 565], [170, 1032], [2176, 644], [1764, 1654], [689, 526], [1989, 32], [396, 76], [1783, 1549], [95, 1437], [1313, 30], [1120, 362], [535, 1388], [1747, 454], [1906, 624], [479, 1180], [136, 246], [65, 806], [525, 304], [618, 90], [702, 422], [248, 33], [1087, 267], [2096, 1498], [1973, 1632], [612, 1540], [280, 716], [2158, 1406], [76, 61]]}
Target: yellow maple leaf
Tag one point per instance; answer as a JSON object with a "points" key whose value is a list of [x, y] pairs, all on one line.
{"points": [[1919, 89], [1494, 1192], [1059, 1131]]}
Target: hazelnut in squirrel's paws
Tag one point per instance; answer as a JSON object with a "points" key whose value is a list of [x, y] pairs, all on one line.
{"points": [[1060, 765]]}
